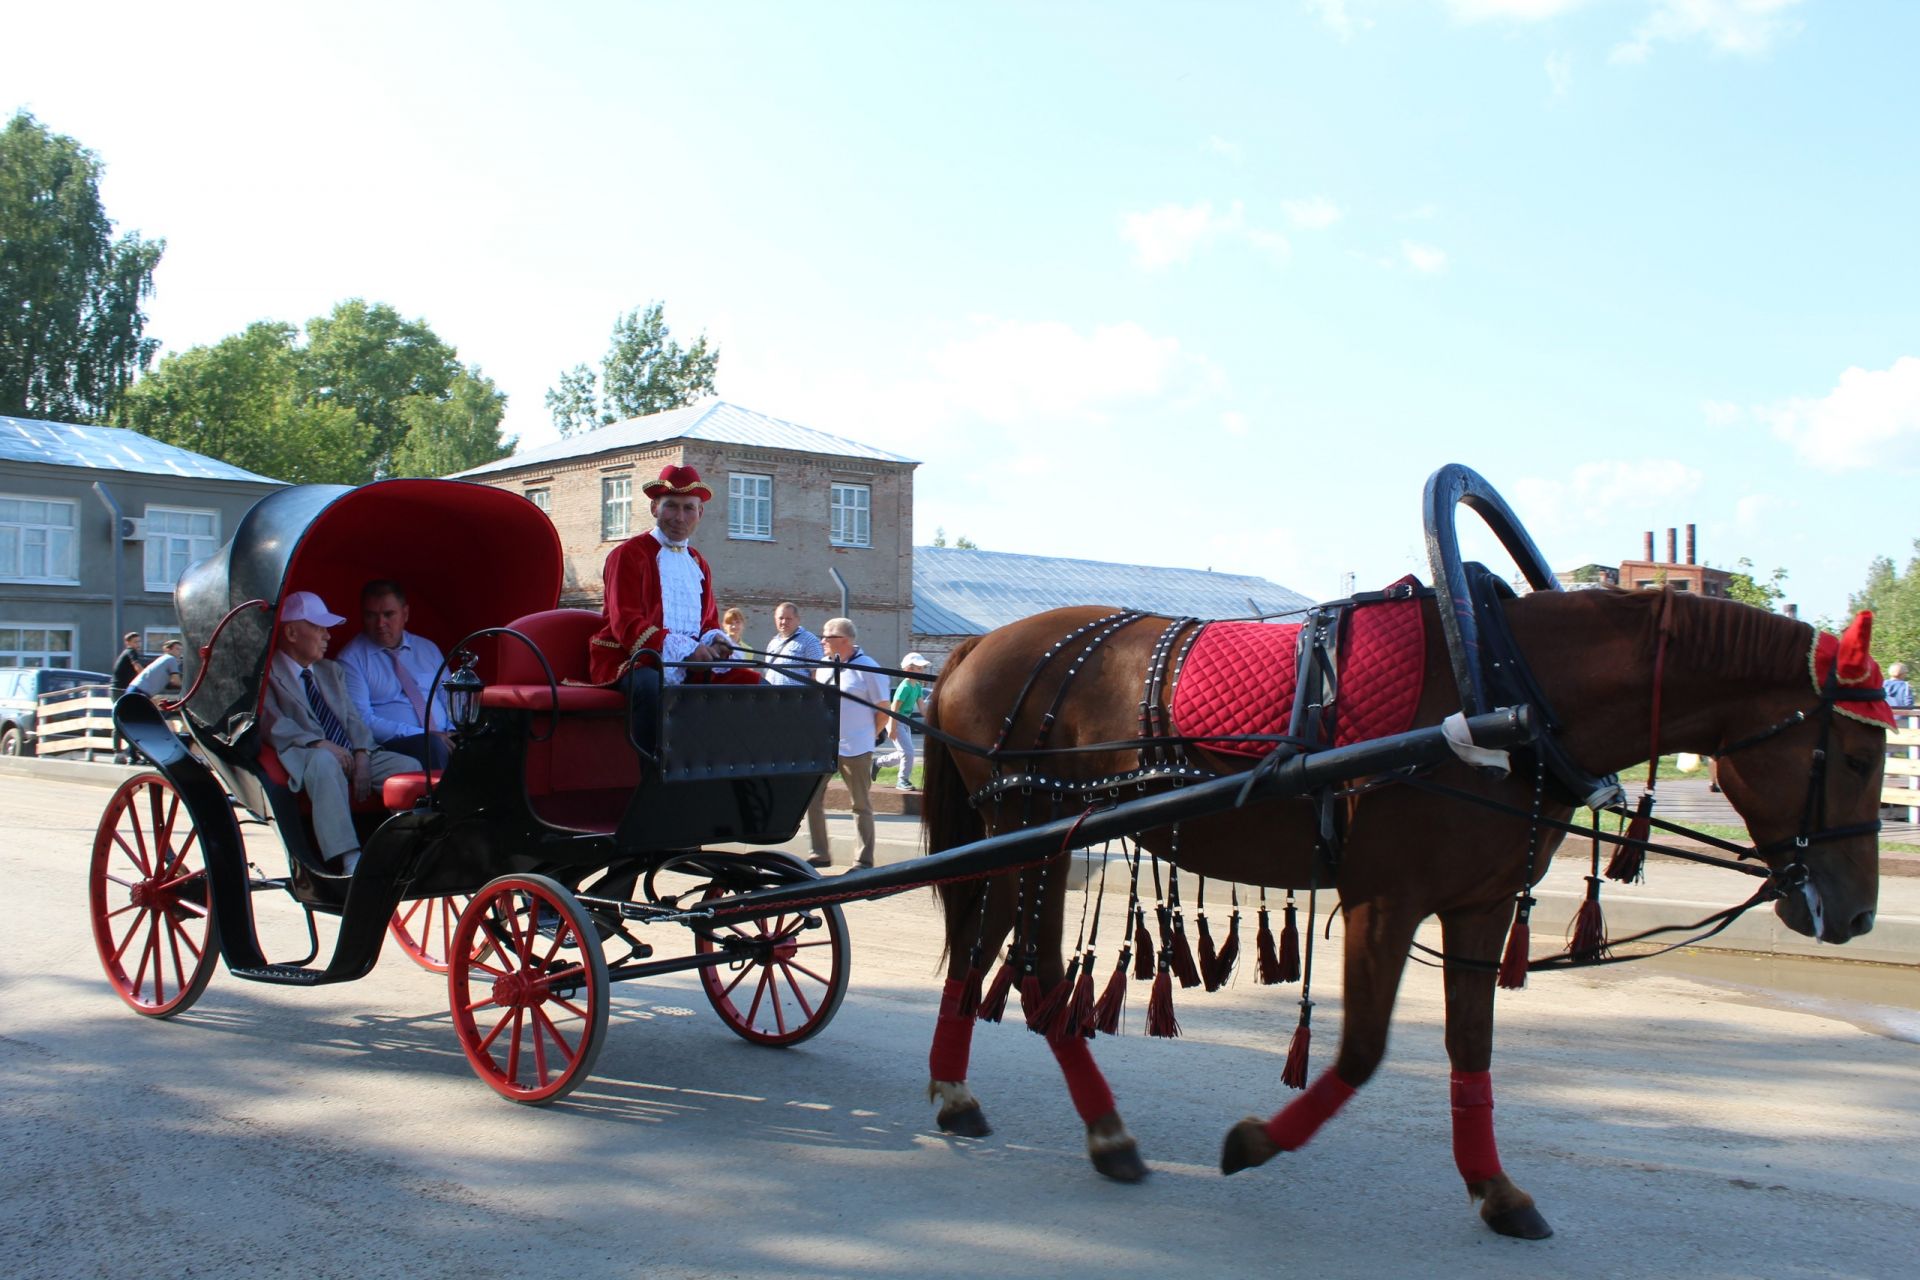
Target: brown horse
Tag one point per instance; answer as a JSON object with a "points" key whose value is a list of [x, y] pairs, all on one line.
{"points": [[1732, 673]]}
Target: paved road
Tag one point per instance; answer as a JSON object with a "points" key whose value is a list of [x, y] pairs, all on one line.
{"points": [[1669, 1128]]}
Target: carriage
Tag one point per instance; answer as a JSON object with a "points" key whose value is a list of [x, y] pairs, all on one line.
{"points": [[551, 839]]}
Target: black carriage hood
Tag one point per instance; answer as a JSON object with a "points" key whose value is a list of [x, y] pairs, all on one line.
{"points": [[469, 556]]}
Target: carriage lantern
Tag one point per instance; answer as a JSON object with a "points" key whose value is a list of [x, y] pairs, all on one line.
{"points": [[464, 687]]}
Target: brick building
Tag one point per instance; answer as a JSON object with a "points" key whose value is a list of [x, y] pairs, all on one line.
{"points": [[797, 514], [1648, 573]]}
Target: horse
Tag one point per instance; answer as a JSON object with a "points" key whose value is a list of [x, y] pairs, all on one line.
{"points": [[1800, 763]]}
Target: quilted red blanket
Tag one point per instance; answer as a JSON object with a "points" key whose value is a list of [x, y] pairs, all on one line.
{"points": [[1239, 677]]}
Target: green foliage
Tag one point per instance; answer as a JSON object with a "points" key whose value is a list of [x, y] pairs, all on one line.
{"points": [[444, 436], [71, 329], [645, 371], [1894, 598], [961, 543], [368, 395], [1747, 589]]}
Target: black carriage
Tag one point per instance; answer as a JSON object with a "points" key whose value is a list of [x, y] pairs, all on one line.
{"points": [[525, 869]]}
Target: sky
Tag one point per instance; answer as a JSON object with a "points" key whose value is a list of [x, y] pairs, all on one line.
{"points": [[1204, 284]]}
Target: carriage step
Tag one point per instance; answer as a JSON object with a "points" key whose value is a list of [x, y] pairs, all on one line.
{"points": [[291, 975]]}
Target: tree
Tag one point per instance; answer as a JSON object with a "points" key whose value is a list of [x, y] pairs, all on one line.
{"points": [[1894, 598], [1747, 589], [445, 436], [72, 335], [239, 401], [368, 360], [645, 371]]}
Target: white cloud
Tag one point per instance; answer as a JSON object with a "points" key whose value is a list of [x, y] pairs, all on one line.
{"points": [[1596, 493], [1019, 370], [1219, 146], [1423, 258], [1171, 233], [1745, 27], [1234, 423], [1334, 17], [1560, 74], [1722, 413], [1313, 213], [1271, 243], [1870, 418], [1517, 10], [1757, 511]]}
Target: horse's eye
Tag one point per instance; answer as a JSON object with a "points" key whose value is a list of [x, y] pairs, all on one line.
{"points": [[1861, 765]]}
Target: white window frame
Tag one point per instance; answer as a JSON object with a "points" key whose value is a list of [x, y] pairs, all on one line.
{"points": [[616, 495], [191, 546], [541, 496], [49, 538], [13, 648], [750, 514], [850, 515], [152, 639]]}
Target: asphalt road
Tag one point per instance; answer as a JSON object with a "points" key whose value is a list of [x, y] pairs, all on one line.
{"points": [[1667, 1128]]}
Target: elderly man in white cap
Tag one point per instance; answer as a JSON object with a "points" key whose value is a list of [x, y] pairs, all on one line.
{"points": [[907, 697], [855, 674], [324, 745]]}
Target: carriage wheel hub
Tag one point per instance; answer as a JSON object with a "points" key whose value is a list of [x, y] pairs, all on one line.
{"points": [[148, 893], [786, 949], [519, 988]]}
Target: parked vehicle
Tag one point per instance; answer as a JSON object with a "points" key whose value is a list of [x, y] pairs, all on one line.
{"points": [[21, 689]]}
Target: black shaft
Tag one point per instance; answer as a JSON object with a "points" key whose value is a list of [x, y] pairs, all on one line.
{"points": [[1299, 775]]}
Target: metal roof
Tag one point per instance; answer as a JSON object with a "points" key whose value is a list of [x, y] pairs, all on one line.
{"points": [[961, 592], [713, 420], [70, 444]]}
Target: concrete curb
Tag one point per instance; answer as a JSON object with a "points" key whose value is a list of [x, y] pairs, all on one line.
{"points": [[87, 774]]}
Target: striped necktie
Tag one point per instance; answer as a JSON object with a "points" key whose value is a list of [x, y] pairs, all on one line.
{"points": [[329, 723]]}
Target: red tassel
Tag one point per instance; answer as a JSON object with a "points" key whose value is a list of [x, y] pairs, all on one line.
{"points": [[1629, 860], [1182, 957], [1160, 1020], [1589, 926], [1032, 1003], [1294, 1074], [1266, 969], [1113, 1000], [1229, 955], [1079, 1020], [970, 994], [1209, 958], [1057, 1009], [1513, 965], [993, 1006], [1290, 947], [1142, 946]]}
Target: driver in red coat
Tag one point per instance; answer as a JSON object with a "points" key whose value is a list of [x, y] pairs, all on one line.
{"points": [[660, 603]]}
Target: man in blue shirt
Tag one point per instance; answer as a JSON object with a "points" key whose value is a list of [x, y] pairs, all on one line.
{"points": [[389, 671], [1899, 692], [791, 641]]}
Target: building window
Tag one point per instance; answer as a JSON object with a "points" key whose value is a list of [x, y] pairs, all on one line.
{"points": [[176, 538], [749, 506], [616, 507], [541, 498], [851, 520], [152, 638], [25, 644], [36, 540]]}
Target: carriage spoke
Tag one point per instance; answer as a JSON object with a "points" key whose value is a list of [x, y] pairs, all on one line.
{"points": [[126, 939], [738, 978], [181, 933], [513, 1050], [796, 967], [760, 990], [800, 997], [124, 884], [138, 857], [539, 1047], [148, 952], [541, 1019], [570, 1007], [506, 1016]]}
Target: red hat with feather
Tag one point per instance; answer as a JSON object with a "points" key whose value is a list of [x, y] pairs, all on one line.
{"points": [[677, 480]]}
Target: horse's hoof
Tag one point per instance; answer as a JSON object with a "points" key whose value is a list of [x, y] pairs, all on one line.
{"points": [[964, 1122], [1121, 1163], [1247, 1147], [1523, 1223]]}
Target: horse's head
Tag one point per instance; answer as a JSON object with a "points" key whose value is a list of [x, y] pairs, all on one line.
{"points": [[1809, 788]]}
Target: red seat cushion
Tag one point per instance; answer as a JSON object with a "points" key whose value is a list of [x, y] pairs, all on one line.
{"points": [[403, 790], [273, 771], [543, 697]]}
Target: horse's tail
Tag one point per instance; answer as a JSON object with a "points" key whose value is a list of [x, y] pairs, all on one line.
{"points": [[946, 817]]}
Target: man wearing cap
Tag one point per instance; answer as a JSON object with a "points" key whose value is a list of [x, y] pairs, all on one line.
{"points": [[906, 702], [660, 605], [856, 675], [389, 670], [158, 674], [323, 744]]}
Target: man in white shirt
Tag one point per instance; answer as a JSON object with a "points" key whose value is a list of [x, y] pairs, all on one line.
{"points": [[389, 671], [855, 673]]}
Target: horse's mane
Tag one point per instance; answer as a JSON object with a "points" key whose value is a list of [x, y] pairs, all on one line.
{"points": [[1727, 637]]}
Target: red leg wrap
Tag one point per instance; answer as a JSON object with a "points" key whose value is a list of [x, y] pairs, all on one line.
{"points": [[1300, 1119], [1091, 1096], [952, 1035], [1473, 1150]]}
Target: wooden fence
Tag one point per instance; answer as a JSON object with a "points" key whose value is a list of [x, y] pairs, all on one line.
{"points": [[1901, 787], [77, 723]]}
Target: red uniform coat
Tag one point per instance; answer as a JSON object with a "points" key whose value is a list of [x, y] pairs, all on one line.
{"points": [[633, 609]]}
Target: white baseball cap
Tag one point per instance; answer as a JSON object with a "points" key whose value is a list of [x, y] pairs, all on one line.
{"points": [[915, 660], [305, 606]]}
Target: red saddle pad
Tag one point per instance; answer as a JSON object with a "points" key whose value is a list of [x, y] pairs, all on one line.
{"points": [[1239, 677]]}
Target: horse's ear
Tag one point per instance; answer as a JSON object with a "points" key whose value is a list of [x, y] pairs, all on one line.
{"points": [[1855, 663]]}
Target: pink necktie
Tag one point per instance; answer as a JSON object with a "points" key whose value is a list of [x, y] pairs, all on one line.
{"points": [[411, 688]]}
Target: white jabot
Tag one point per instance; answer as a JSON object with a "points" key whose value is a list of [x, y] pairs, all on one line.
{"points": [[680, 599]]}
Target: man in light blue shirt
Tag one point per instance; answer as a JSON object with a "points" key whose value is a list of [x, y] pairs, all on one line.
{"points": [[389, 671], [791, 641], [1899, 692]]}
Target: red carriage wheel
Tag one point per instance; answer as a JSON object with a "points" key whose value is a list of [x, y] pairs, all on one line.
{"points": [[147, 895], [528, 987], [422, 928], [790, 980]]}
